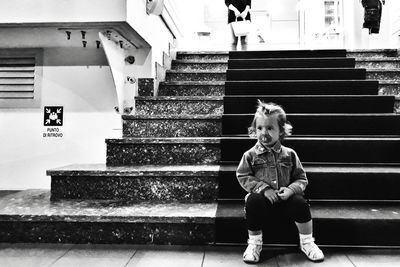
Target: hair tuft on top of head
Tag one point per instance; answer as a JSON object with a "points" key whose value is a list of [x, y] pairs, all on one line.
{"points": [[268, 109]]}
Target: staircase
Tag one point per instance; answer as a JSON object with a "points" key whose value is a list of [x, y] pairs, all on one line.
{"points": [[346, 135], [171, 178]]}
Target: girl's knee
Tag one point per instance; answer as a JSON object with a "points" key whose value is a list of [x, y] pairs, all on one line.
{"points": [[299, 209], [297, 200], [255, 200]]}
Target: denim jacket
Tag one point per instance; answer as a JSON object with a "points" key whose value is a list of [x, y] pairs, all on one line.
{"points": [[263, 168]]}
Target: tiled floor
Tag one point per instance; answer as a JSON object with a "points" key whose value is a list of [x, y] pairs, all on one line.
{"points": [[30, 255]]}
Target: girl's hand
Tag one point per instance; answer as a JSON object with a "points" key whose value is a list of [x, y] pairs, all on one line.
{"points": [[271, 195], [244, 14], [284, 193], [237, 13]]}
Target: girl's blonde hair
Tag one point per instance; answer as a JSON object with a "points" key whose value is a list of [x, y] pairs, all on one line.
{"points": [[268, 109]]}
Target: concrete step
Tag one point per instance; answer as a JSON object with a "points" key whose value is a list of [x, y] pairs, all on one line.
{"points": [[302, 87], [323, 124], [269, 63], [185, 88], [179, 105], [30, 216], [163, 151], [331, 183], [372, 53], [171, 125], [199, 75], [335, 224], [312, 103], [295, 74], [202, 55], [192, 65], [378, 63], [389, 87], [158, 184], [286, 54], [383, 74], [359, 150]]}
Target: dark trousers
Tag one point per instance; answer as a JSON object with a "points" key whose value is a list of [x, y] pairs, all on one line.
{"points": [[259, 211]]}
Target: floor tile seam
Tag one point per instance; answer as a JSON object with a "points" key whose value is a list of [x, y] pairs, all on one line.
{"points": [[347, 256], [59, 258], [130, 259], [204, 256]]}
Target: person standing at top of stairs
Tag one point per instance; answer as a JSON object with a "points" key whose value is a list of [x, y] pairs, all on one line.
{"points": [[238, 10], [275, 180]]}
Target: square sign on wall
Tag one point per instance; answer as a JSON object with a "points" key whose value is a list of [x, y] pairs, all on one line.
{"points": [[53, 116]]}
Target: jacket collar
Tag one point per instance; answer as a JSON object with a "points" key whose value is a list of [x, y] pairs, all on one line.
{"points": [[260, 149]]}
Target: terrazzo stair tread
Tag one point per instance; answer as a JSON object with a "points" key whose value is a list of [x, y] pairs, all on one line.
{"points": [[291, 63], [304, 87], [312, 103], [383, 74], [389, 87], [196, 75], [30, 216], [384, 59], [191, 88], [325, 149], [287, 53], [179, 105], [183, 61], [326, 183], [394, 70], [156, 183], [389, 82], [199, 65], [164, 151], [182, 98], [335, 224], [173, 117], [295, 74], [192, 83], [174, 125], [372, 53], [202, 55], [195, 71], [323, 124]]}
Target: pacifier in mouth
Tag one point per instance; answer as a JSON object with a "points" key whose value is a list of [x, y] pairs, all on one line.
{"points": [[266, 139]]}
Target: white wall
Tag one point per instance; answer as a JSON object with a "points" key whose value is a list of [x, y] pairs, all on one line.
{"points": [[26, 11], [88, 96], [151, 28], [76, 78]]}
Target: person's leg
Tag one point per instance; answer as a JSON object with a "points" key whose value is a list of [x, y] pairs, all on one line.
{"points": [[299, 211], [256, 208], [243, 42], [234, 39]]}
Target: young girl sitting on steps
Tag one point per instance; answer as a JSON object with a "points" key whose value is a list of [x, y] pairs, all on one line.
{"points": [[275, 180]]}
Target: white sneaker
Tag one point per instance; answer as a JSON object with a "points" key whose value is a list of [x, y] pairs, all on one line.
{"points": [[253, 251], [311, 249]]}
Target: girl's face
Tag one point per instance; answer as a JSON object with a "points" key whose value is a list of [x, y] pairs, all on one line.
{"points": [[267, 130]]}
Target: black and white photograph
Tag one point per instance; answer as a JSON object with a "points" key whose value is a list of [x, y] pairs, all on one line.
{"points": [[199, 133]]}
